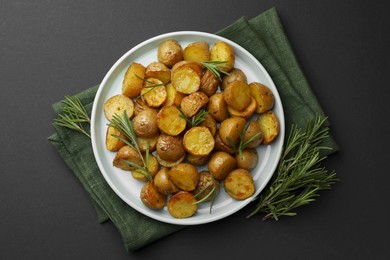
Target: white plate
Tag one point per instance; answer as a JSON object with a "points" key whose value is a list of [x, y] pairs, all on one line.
{"points": [[123, 183]]}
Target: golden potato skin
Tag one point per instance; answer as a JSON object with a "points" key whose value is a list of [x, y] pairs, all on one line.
{"points": [[158, 70], [195, 66], [191, 104], [126, 153], [163, 183], [197, 51], [221, 164], [264, 97], [185, 176], [170, 164], [221, 146], [133, 80], [153, 167], [151, 198], [174, 97], [186, 80], [140, 106], [217, 107], [209, 83], [148, 142], [237, 95], [239, 184], [198, 141], [247, 159], [210, 123], [153, 93], [222, 51], [269, 126], [197, 159], [117, 105], [182, 205], [230, 129], [113, 144], [169, 120], [170, 148], [246, 112], [234, 74], [205, 186], [252, 130], [170, 52], [145, 124]]}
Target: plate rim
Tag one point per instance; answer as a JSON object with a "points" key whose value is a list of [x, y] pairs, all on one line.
{"points": [[186, 221]]}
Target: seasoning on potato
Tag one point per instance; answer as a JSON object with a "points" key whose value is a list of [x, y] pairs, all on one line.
{"points": [[239, 184], [182, 205], [185, 176], [198, 141]]}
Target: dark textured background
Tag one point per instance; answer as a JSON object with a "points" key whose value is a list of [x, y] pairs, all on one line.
{"points": [[49, 49]]}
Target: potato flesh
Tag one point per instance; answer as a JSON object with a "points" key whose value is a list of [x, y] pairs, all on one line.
{"points": [[191, 104], [239, 184], [117, 105], [170, 122], [264, 97], [186, 80], [237, 95], [269, 126], [151, 198], [198, 141], [154, 97], [152, 168], [185, 176], [222, 51], [163, 183], [210, 123], [197, 51], [182, 205], [158, 70], [133, 80], [174, 97], [113, 144]]}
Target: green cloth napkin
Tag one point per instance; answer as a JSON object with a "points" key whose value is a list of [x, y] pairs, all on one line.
{"points": [[264, 37]]}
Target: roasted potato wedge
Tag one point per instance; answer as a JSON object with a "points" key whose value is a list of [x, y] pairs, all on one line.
{"points": [[153, 92], [163, 183], [237, 95], [113, 144], [117, 105], [239, 184], [159, 71], [182, 205], [185, 176], [169, 120], [246, 112], [252, 130], [208, 83], [222, 51], [247, 159], [197, 51], [187, 64], [264, 97], [269, 126], [174, 97], [221, 164], [147, 142], [210, 123], [234, 74], [145, 124], [217, 107], [230, 130], [205, 186], [186, 80], [133, 80], [153, 167], [126, 153], [198, 141], [170, 52], [191, 104], [170, 148], [151, 198]]}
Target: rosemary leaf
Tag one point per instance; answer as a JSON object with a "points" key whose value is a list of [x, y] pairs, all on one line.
{"points": [[216, 67]]}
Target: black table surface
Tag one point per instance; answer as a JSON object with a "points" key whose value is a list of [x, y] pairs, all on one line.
{"points": [[49, 49]]}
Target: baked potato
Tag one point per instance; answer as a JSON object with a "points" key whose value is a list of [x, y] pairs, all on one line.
{"points": [[222, 51], [239, 184], [197, 67], [182, 205], [197, 51], [246, 112], [163, 183], [208, 83], [113, 144], [117, 105], [185, 176], [198, 141], [169, 120], [234, 75], [153, 93], [191, 104], [174, 97], [145, 124], [151, 198], [221, 164], [133, 81], [247, 159], [197, 159], [170, 52], [252, 130], [217, 107], [153, 168], [159, 71], [269, 126], [149, 143], [126, 153], [230, 129], [186, 80], [237, 95], [221, 146], [210, 123], [170, 148], [205, 186], [264, 97]]}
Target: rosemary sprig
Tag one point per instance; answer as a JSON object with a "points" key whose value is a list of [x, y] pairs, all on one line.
{"points": [[216, 68], [196, 119], [238, 148], [124, 125], [213, 193], [151, 86], [299, 176], [74, 115]]}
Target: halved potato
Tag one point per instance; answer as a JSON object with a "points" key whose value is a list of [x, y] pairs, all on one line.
{"points": [[198, 141], [197, 51], [182, 205], [246, 112], [159, 71], [153, 167], [205, 186], [237, 95], [133, 80], [169, 120], [174, 97], [269, 126], [141, 106], [145, 124], [197, 67], [247, 159], [222, 51], [210, 123], [197, 159], [234, 74], [117, 105], [191, 104], [163, 183], [217, 107], [230, 130], [264, 97], [185, 176], [170, 52], [239, 184], [186, 80], [170, 148], [153, 92], [221, 164], [113, 144], [221, 146], [252, 130], [126, 153], [151, 198], [208, 83], [147, 142]]}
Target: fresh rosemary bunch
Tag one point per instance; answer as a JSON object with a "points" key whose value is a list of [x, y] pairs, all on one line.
{"points": [[73, 116], [196, 119], [216, 67], [124, 125], [299, 176]]}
